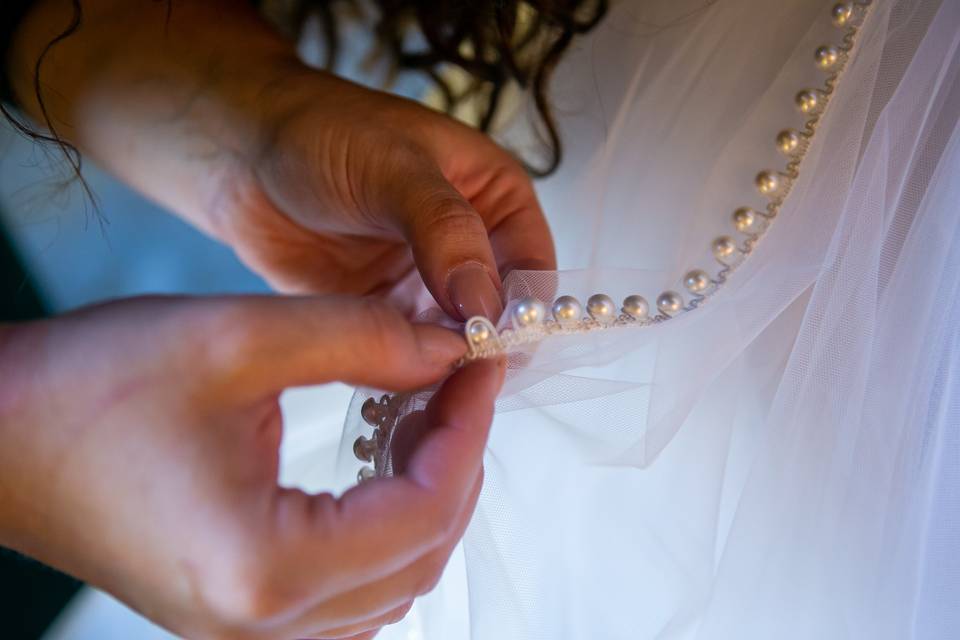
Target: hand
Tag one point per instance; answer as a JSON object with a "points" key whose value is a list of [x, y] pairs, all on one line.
{"points": [[353, 188], [139, 452], [319, 185]]}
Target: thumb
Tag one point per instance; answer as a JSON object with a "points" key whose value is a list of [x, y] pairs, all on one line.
{"points": [[449, 240], [272, 343]]}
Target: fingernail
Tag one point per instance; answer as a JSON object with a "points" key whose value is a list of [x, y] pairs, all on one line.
{"points": [[473, 293]]}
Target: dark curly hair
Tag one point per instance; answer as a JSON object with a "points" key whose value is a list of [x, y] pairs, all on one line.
{"points": [[495, 42]]}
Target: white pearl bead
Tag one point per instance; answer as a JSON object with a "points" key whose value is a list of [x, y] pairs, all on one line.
{"points": [[528, 312], [364, 448], [365, 474], [670, 303], [636, 307], [767, 182], [788, 141], [724, 249], [478, 333], [826, 56], [807, 101], [842, 13], [567, 310], [697, 281], [746, 220], [601, 308], [743, 218]]}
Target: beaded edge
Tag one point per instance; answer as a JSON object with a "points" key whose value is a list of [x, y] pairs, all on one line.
{"points": [[485, 341], [531, 326]]}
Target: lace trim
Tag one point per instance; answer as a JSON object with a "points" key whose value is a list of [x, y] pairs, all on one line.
{"points": [[528, 316]]}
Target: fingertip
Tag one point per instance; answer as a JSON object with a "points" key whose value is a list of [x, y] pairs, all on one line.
{"points": [[458, 417], [474, 291], [470, 391], [439, 347], [494, 369]]}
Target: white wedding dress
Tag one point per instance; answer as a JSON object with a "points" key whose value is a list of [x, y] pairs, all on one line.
{"points": [[783, 462]]}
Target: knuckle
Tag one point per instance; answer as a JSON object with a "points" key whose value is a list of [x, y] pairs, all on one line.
{"points": [[229, 337], [436, 207], [399, 613], [385, 331], [241, 591], [403, 155], [443, 518], [430, 576], [248, 601], [449, 214]]}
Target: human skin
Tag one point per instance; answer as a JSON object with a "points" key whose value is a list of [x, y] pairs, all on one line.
{"points": [[140, 453], [318, 184], [139, 438]]}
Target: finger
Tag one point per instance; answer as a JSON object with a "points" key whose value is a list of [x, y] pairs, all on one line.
{"points": [[369, 625], [405, 439], [276, 342], [371, 606], [459, 416], [447, 236], [519, 235], [503, 194], [522, 241], [366, 635], [327, 546]]}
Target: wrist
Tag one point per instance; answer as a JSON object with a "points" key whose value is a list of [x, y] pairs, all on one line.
{"points": [[11, 373], [17, 436], [165, 101]]}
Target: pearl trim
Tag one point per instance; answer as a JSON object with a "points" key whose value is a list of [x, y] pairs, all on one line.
{"points": [[750, 224], [529, 323]]}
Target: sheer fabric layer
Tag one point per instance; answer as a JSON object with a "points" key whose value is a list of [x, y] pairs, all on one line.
{"points": [[785, 461]]}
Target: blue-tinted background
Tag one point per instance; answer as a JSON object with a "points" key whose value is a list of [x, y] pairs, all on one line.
{"points": [[75, 260]]}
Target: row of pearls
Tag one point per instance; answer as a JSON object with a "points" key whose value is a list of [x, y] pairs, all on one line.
{"points": [[382, 415], [528, 316]]}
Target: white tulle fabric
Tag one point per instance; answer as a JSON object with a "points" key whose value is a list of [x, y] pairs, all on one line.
{"points": [[785, 461]]}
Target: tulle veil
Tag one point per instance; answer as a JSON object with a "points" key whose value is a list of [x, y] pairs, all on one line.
{"points": [[783, 462]]}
